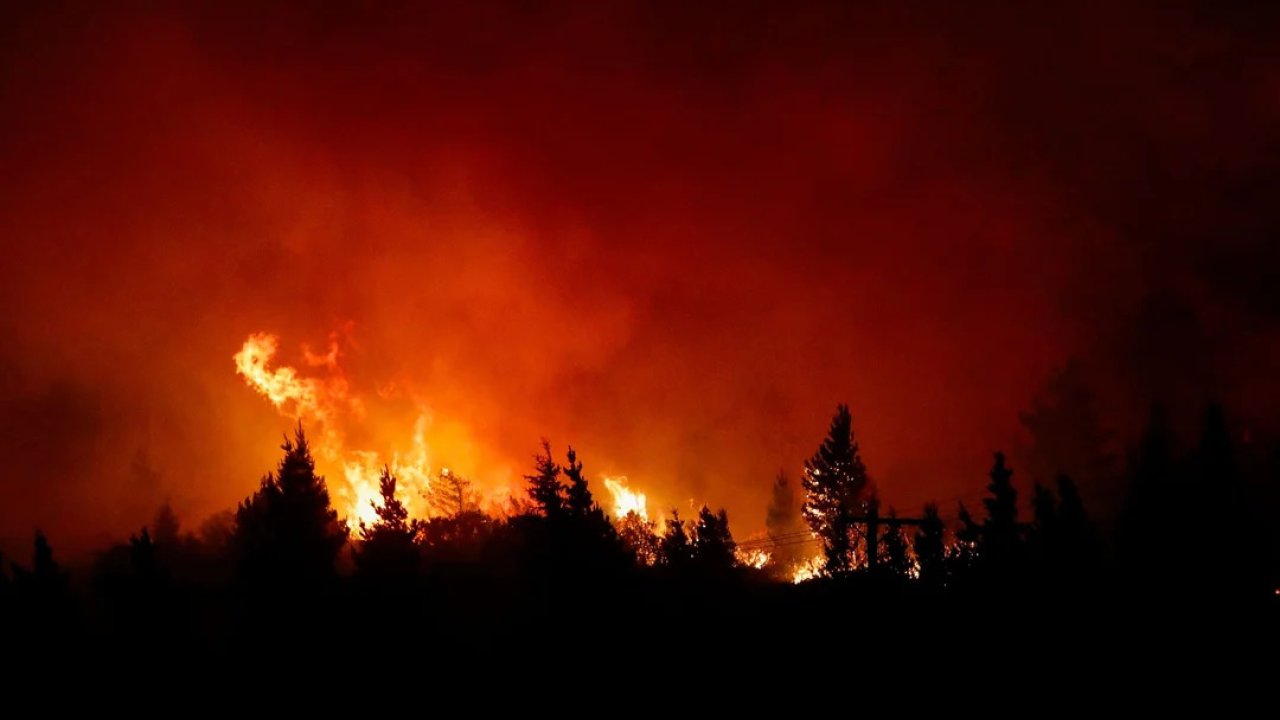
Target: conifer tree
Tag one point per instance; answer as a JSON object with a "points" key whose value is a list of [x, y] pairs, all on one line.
{"points": [[545, 489], [835, 484], [578, 497], [387, 549], [450, 494], [288, 531], [675, 550], [713, 544], [1000, 533]]}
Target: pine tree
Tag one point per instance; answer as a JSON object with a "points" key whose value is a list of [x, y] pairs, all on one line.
{"points": [[835, 484], [45, 570], [387, 550], [930, 547], [44, 585], [785, 526], [545, 489], [895, 557], [450, 494], [713, 544], [287, 531], [674, 547], [1000, 533], [578, 501], [592, 542]]}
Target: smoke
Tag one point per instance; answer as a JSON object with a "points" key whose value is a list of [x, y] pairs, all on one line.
{"points": [[673, 236]]}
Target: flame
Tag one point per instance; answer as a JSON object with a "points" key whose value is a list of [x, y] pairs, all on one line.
{"points": [[290, 393], [752, 558], [807, 570], [625, 500], [321, 403]]}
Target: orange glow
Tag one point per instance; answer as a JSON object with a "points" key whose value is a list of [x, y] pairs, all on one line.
{"points": [[626, 500], [752, 558], [807, 570], [319, 404]]}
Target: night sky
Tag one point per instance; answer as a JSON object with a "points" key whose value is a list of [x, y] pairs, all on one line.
{"points": [[673, 234]]}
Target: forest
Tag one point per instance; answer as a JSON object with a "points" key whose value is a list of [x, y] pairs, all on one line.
{"points": [[555, 571]]}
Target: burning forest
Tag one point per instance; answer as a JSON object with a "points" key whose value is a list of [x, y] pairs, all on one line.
{"points": [[642, 335]]}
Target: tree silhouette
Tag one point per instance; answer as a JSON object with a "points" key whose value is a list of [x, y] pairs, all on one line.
{"points": [[895, 556], [456, 539], [835, 483], [142, 555], [583, 540], [578, 499], [713, 545], [43, 587], [785, 525], [640, 537], [287, 532], [387, 550], [930, 547], [45, 577], [545, 489], [450, 494], [674, 547], [1000, 533]]}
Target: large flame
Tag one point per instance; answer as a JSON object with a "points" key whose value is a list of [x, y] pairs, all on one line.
{"points": [[807, 570], [752, 558], [626, 500], [320, 402]]}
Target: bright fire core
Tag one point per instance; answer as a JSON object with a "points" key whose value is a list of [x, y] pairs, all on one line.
{"points": [[323, 404], [326, 405]]}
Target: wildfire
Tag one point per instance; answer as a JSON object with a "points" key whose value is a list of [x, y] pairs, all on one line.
{"points": [[807, 570], [625, 500], [320, 403], [294, 395], [752, 558]]}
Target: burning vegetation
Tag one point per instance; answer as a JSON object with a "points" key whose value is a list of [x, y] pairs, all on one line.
{"points": [[468, 566]]}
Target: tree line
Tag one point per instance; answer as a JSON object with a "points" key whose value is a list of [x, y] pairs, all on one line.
{"points": [[286, 541]]}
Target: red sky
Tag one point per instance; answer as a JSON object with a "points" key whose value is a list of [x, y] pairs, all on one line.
{"points": [[675, 237]]}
